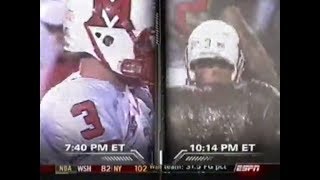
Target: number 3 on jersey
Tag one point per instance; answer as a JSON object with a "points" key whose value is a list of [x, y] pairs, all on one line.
{"points": [[92, 118]]}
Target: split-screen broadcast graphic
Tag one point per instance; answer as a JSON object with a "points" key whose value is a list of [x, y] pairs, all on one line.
{"points": [[150, 86]]}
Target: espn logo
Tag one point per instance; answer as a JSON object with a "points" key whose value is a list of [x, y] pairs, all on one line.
{"points": [[247, 168]]}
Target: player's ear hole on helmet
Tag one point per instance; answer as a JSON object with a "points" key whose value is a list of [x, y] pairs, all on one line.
{"points": [[210, 63], [108, 40], [98, 34]]}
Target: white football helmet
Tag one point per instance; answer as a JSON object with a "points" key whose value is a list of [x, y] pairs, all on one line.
{"points": [[51, 13], [214, 39], [116, 32]]}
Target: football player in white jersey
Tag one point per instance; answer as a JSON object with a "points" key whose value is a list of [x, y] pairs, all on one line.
{"points": [[108, 101]]}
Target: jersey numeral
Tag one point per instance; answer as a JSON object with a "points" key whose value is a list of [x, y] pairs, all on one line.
{"points": [[92, 118]]}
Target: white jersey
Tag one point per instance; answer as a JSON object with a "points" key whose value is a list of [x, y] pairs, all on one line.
{"points": [[90, 111]]}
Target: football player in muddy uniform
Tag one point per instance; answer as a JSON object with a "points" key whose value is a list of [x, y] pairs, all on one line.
{"points": [[217, 106]]}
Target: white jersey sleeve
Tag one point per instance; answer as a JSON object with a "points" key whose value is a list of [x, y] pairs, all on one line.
{"points": [[80, 111]]}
